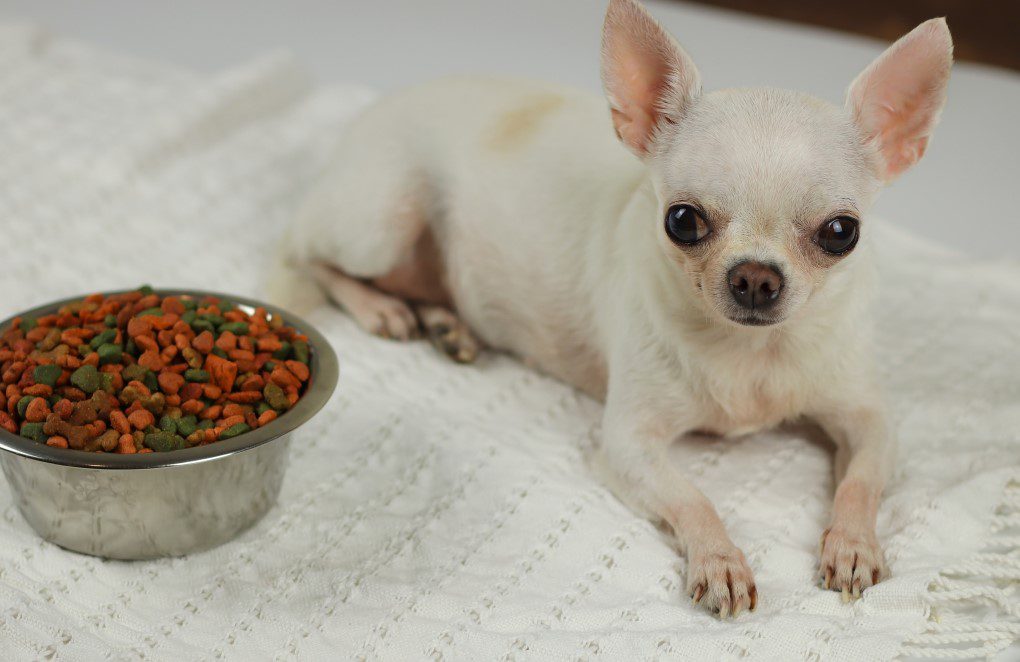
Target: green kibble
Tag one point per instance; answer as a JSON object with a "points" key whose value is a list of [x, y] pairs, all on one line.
{"points": [[130, 347], [186, 426], [283, 353], [189, 315], [109, 353], [23, 404], [54, 399], [110, 321], [33, 431], [146, 290], [167, 424], [84, 350], [218, 351], [106, 382], [28, 323], [276, 398], [189, 305], [47, 374], [237, 328], [227, 306], [269, 365], [87, 378], [301, 351], [194, 375], [150, 380], [213, 319], [103, 338], [205, 425], [162, 441], [235, 430], [200, 325], [157, 312], [262, 408], [134, 373]]}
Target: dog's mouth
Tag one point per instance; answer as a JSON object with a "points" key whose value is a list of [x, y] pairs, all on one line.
{"points": [[755, 319]]}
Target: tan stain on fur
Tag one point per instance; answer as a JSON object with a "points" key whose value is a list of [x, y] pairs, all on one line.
{"points": [[516, 126]]}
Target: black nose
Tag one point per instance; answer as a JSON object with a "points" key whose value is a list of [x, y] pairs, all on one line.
{"points": [[754, 285]]}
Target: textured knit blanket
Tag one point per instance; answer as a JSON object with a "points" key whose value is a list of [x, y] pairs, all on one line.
{"points": [[446, 512]]}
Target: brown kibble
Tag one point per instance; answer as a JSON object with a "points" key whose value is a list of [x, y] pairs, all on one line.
{"points": [[64, 409], [126, 444]]}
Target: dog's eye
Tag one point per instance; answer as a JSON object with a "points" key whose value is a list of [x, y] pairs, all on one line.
{"points": [[684, 225], [838, 236]]}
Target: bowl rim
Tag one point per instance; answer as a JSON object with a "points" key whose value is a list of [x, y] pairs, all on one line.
{"points": [[324, 369]]}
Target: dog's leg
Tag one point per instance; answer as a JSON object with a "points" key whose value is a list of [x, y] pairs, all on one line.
{"points": [[851, 558], [373, 310], [448, 333], [633, 456]]}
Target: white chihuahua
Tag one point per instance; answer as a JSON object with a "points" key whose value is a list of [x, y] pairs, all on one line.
{"points": [[715, 283]]}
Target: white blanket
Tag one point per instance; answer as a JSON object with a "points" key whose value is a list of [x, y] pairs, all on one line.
{"points": [[445, 512]]}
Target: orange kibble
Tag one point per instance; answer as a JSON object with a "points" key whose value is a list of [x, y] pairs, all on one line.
{"points": [[64, 408], [145, 450], [57, 442], [269, 344], [298, 369], [126, 444], [39, 390], [267, 416], [227, 341], [173, 400], [170, 382], [147, 343], [230, 420], [37, 411], [192, 407], [141, 418], [139, 327], [222, 371], [212, 413], [120, 422], [151, 360], [245, 397], [203, 342], [233, 409]]}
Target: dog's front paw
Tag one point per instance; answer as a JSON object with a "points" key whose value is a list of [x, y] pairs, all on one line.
{"points": [[851, 561], [721, 580]]}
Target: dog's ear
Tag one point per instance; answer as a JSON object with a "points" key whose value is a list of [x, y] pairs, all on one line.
{"points": [[647, 77], [896, 101]]}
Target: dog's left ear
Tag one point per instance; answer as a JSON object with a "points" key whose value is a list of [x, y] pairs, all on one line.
{"points": [[896, 101], [647, 77]]}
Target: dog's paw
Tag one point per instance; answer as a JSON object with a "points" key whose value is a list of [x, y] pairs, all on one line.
{"points": [[851, 561], [449, 334], [721, 580], [387, 317]]}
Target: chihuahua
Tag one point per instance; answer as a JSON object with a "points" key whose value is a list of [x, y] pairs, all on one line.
{"points": [[696, 260]]}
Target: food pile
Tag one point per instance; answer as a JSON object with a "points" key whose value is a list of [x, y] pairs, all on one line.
{"points": [[137, 372]]}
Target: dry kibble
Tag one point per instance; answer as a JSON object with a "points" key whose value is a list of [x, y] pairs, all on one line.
{"points": [[138, 372]]}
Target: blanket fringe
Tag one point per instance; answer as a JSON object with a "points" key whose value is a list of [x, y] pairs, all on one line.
{"points": [[987, 584]]}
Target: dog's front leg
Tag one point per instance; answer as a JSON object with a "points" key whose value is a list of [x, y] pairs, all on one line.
{"points": [[636, 436], [851, 558]]}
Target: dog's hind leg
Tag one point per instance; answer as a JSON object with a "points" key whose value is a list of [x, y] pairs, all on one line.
{"points": [[373, 310]]}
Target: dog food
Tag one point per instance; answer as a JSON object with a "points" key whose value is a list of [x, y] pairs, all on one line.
{"points": [[138, 372]]}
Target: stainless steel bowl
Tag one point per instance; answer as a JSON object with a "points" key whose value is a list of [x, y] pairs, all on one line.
{"points": [[161, 504]]}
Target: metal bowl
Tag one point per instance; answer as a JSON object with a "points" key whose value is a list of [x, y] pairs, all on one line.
{"points": [[161, 504]]}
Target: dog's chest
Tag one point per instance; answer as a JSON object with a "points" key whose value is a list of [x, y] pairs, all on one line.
{"points": [[749, 392]]}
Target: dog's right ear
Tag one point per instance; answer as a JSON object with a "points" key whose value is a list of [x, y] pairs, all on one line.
{"points": [[647, 77]]}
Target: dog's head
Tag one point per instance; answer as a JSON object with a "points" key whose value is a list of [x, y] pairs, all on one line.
{"points": [[762, 191]]}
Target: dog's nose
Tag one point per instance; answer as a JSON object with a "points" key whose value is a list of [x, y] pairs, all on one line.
{"points": [[754, 285]]}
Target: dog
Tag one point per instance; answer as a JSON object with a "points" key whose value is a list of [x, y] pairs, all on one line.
{"points": [[698, 261]]}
